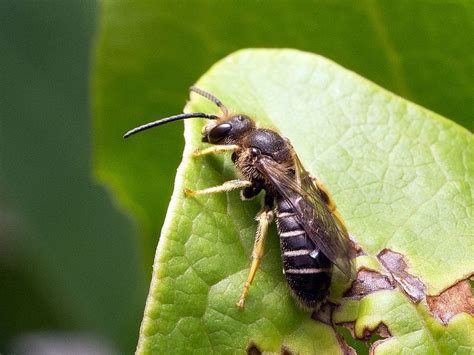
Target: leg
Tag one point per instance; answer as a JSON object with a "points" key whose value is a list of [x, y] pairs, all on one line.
{"points": [[331, 205], [226, 186], [216, 149], [250, 192], [264, 220]]}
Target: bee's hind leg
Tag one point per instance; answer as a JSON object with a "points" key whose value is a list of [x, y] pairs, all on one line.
{"points": [[226, 186], [328, 199], [264, 220]]}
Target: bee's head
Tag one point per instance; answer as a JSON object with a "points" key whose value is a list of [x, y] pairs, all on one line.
{"points": [[225, 129]]}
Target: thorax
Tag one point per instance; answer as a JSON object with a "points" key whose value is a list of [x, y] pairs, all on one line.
{"points": [[262, 143]]}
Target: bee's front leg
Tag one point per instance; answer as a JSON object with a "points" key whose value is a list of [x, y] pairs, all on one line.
{"points": [[264, 220], [226, 186], [217, 149]]}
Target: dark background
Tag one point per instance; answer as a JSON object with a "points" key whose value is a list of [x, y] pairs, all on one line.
{"points": [[68, 257]]}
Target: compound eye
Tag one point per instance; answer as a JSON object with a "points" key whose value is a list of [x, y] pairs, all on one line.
{"points": [[220, 132]]}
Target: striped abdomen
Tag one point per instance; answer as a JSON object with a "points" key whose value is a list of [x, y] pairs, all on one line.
{"points": [[307, 270]]}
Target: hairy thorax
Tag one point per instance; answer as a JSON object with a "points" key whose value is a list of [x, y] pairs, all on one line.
{"points": [[267, 143], [245, 163]]}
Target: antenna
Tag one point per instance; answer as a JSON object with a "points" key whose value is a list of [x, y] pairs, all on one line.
{"points": [[210, 97], [183, 116]]}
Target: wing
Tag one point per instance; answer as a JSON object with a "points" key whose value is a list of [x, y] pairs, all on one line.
{"points": [[301, 192]]}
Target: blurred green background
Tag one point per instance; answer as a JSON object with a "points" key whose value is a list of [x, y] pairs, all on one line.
{"points": [[69, 259]]}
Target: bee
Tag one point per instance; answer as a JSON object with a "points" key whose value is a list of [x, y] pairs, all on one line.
{"points": [[313, 237]]}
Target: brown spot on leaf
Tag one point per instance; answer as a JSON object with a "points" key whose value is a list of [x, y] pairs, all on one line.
{"points": [[366, 282], [253, 350], [356, 249], [454, 300], [285, 351], [345, 348], [395, 263], [350, 326], [381, 330], [374, 346]]}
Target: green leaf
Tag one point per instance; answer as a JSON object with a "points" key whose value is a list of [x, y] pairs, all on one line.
{"points": [[150, 52], [401, 176]]}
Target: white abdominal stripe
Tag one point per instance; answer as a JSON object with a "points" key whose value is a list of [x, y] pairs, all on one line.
{"points": [[285, 214], [297, 252], [312, 253], [292, 233], [306, 271]]}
